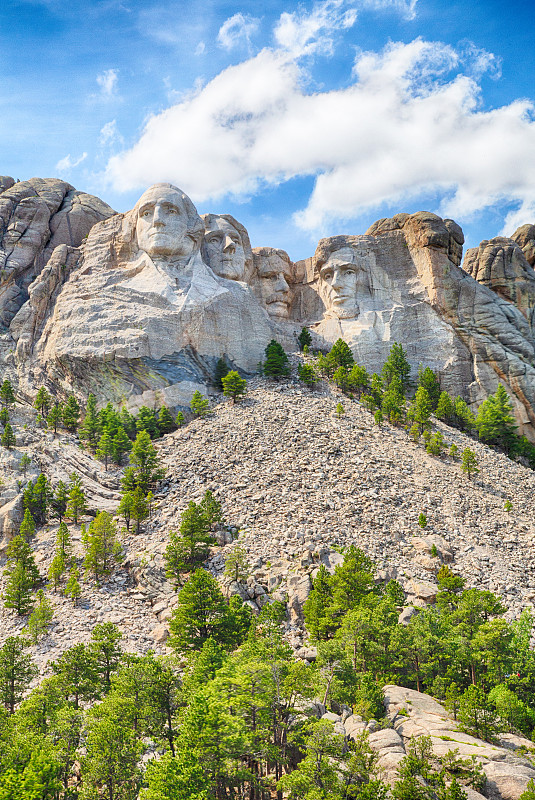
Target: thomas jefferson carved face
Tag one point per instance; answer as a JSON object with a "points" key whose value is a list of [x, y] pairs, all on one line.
{"points": [[223, 248], [162, 224], [274, 277], [339, 277]]}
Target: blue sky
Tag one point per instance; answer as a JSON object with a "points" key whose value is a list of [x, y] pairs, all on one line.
{"points": [[301, 120]]}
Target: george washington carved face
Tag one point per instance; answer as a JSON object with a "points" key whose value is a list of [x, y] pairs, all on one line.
{"points": [[163, 224]]}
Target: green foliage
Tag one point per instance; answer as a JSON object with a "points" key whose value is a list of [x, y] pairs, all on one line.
{"points": [[452, 452], [105, 448], [435, 445], [191, 545], [7, 395], [125, 508], [76, 502], [180, 419], [508, 506], [58, 501], [419, 411], [495, 421], [24, 463], [146, 420], [469, 463], [43, 401], [445, 409], [22, 576], [166, 423], [199, 405], [358, 380], [76, 674], [121, 445], [221, 369], [36, 498], [307, 375], [17, 670], [8, 438], [339, 410], [477, 715], [397, 366], [40, 617], [340, 355], [105, 650], [276, 364], [71, 414], [393, 401], [237, 567], [27, 526], [144, 460], [422, 520], [91, 426], [233, 385], [178, 777], [428, 380], [55, 416], [102, 546], [4, 416], [73, 588], [304, 338], [139, 509]]}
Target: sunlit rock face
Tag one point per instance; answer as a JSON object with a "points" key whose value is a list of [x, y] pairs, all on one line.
{"points": [[141, 311], [35, 217]]}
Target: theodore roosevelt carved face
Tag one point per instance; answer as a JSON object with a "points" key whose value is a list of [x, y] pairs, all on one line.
{"points": [[274, 276]]}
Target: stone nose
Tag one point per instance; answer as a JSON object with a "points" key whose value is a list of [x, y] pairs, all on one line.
{"points": [[281, 284], [158, 216], [228, 245]]}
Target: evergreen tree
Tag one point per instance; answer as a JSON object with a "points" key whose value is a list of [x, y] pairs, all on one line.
{"points": [[445, 409], [341, 378], [464, 419], [4, 416], [233, 385], [221, 369], [8, 437], [42, 401], [201, 613], [146, 421], [105, 448], [317, 607], [125, 508], [276, 364], [64, 542], [109, 419], [179, 419], [72, 589], [36, 497], [175, 778], [469, 463], [76, 673], [199, 405], [393, 401], [144, 459], [121, 445], [211, 508], [22, 576], [24, 463], [106, 650], [91, 427], [428, 380], [419, 411], [166, 423], [397, 365], [102, 546], [435, 444], [7, 395], [358, 380], [59, 500], [17, 670], [55, 416], [76, 504], [40, 617], [237, 567], [307, 374], [27, 526], [191, 546], [139, 510], [339, 410], [56, 570], [128, 421], [71, 414], [304, 338], [340, 355], [495, 421]]}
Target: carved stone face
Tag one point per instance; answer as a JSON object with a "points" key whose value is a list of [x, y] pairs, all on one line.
{"points": [[224, 250], [162, 224], [274, 278], [338, 284]]}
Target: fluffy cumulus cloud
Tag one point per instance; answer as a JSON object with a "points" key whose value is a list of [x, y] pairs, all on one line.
{"points": [[237, 30], [410, 122]]}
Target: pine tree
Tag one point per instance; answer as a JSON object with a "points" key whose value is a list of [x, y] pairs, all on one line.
{"points": [[428, 380], [40, 617], [42, 401], [144, 459], [8, 437], [199, 404], [179, 419], [166, 423], [140, 509], [109, 419], [125, 508], [469, 463], [233, 385], [121, 445], [105, 448], [340, 378], [237, 567], [36, 497], [17, 670], [22, 576], [393, 401], [59, 500], [419, 411], [72, 588], [304, 338], [56, 570], [128, 421], [445, 409], [102, 546], [495, 421], [4, 416], [317, 606], [397, 365], [307, 374], [90, 428], [340, 355], [7, 395], [146, 421], [76, 505], [358, 380], [339, 410], [191, 546], [64, 542], [55, 416], [71, 414], [201, 613], [211, 508], [464, 419], [435, 444], [27, 526], [221, 369], [276, 364], [24, 463], [106, 650]]}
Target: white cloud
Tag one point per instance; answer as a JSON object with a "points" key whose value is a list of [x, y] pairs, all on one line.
{"points": [[199, 50], [109, 135], [237, 30], [67, 164], [107, 81], [302, 33], [410, 123]]}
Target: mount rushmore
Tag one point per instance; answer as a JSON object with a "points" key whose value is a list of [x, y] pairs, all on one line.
{"points": [[138, 307]]}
